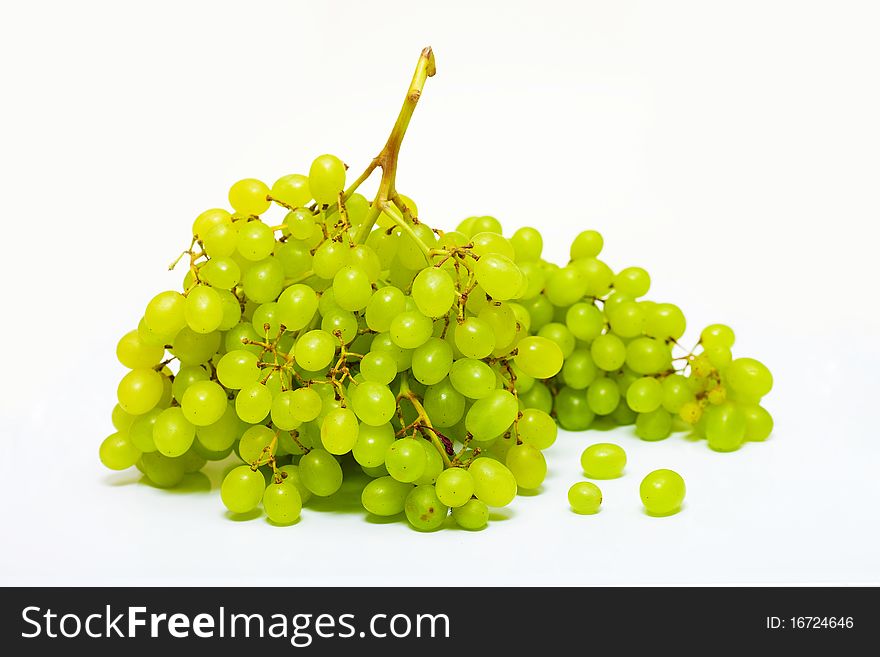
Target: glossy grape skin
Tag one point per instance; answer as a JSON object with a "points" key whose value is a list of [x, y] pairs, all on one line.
{"points": [[474, 338], [424, 510], [406, 460], [472, 378], [282, 502], [339, 431], [759, 422], [645, 395], [648, 356], [718, 335], [539, 357], [473, 515], [749, 377], [455, 487], [491, 415], [725, 427], [320, 472], [528, 465], [203, 403], [431, 362], [326, 179], [444, 404], [162, 471], [572, 409], [527, 244], [603, 461], [608, 352], [242, 489], [373, 403], [585, 498], [433, 291], [655, 425], [139, 391], [385, 496], [118, 453], [603, 395], [494, 483], [662, 492], [633, 282], [292, 189]]}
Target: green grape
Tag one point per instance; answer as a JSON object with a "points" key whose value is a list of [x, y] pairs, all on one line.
{"points": [[603, 395], [634, 282], [141, 432], [406, 460], [433, 291], [203, 403], [193, 348], [351, 288], [282, 502], [536, 428], [291, 475], [134, 353], [266, 321], [165, 314], [627, 319], [300, 223], [492, 242], [223, 433], [222, 272], [139, 391], [725, 427], [372, 444], [305, 404], [383, 343], [296, 306], [315, 350], [540, 311], [585, 498], [193, 461], [203, 309], [122, 421], [759, 422], [528, 466], [380, 367], [485, 225], [677, 391], [608, 352], [501, 318], [173, 434], [579, 370], [527, 244], [494, 483], [603, 461], [717, 335], [474, 338], [326, 179], [283, 411], [498, 276], [665, 320], [385, 304], [221, 240], [538, 397], [535, 278], [117, 452], [237, 368], [341, 321], [210, 219], [431, 362], [242, 331], [409, 252], [373, 403], [572, 410], [424, 510], [366, 259], [411, 329], [472, 378], [185, 377], [539, 357], [384, 245], [565, 286], [249, 197], [597, 275], [295, 257], [253, 402], [587, 244], [473, 515], [255, 443], [492, 415], [162, 471], [339, 431], [385, 496], [264, 280], [242, 489], [231, 311], [655, 425], [292, 190], [662, 492], [444, 404], [320, 472], [455, 487], [559, 334], [585, 321], [748, 377], [433, 465], [645, 395], [255, 241], [719, 357], [648, 356]]}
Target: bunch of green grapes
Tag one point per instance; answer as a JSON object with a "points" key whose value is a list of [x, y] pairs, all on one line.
{"points": [[350, 337]]}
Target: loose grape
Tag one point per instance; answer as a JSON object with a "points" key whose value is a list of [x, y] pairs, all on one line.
{"points": [[603, 461], [585, 498], [662, 492]]}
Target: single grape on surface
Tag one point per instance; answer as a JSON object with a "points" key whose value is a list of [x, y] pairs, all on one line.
{"points": [[323, 344]]}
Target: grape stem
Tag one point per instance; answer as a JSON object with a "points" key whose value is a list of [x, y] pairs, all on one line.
{"points": [[388, 156], [423, 423]]}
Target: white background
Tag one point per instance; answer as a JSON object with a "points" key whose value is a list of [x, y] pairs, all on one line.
{"points": [[729, 148]]}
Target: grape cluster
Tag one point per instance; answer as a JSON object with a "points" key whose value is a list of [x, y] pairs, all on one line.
{"points": [[352, 337]]}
